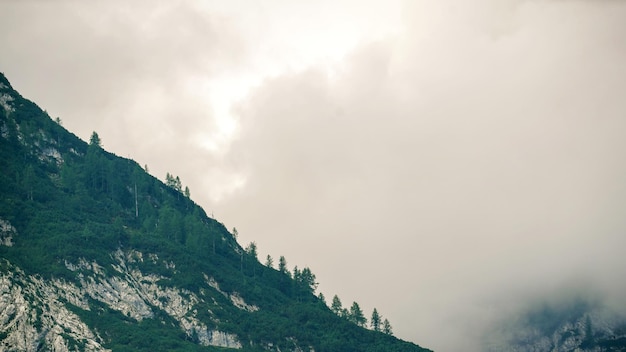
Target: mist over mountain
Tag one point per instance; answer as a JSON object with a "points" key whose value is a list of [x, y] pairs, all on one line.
{"points": [[96, 254], [570, 322]]}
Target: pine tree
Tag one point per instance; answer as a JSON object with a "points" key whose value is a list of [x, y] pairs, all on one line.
{"points": [[269, 261], [387, 327], [178, 185], [335, 306], [282, 265], [95, 140], [356, 315], [173, 182], [251, 249], [375, 321], [307, 278], [322, 298], [169, 180], [297, 282]]}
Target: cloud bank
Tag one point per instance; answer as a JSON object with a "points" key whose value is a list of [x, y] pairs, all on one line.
{"points": [[470, 158]]}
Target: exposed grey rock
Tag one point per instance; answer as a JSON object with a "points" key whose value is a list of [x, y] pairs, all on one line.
{"points": [[51, 153], [7, 231], [32, 314], [5, 102], [33, 311], [234, 297]]}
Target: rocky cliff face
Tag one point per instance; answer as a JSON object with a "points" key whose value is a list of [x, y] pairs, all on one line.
{"points": [[35, 312]]}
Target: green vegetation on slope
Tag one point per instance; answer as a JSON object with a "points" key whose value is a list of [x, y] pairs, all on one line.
{"points": [[69, 199]]}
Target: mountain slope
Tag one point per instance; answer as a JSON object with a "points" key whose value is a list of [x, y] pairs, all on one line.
{"points": [[571, 325], [96, 254]]}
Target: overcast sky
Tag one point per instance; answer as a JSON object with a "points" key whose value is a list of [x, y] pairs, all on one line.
{"points": [[442, 161]]}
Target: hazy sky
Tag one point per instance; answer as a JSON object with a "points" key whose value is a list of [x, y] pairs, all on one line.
{"points": [[443, 161]]}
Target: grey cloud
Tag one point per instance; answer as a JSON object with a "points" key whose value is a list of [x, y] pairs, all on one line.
{"points": [[454, 171], [104, 55], [124, 70]]}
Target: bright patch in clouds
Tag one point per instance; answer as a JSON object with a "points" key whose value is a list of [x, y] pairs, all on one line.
{"points": [[287, 39]]}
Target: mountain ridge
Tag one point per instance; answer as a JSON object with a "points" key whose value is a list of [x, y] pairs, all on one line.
{"points": [[97, 254]]}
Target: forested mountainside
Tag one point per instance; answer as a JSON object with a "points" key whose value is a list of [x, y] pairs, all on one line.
{"points": [[98, 255]]}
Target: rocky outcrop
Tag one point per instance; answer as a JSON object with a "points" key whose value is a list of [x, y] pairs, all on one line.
{"points": [[5, 102], [33, 315], [234, 297], [7, 231], [33, 311]]}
